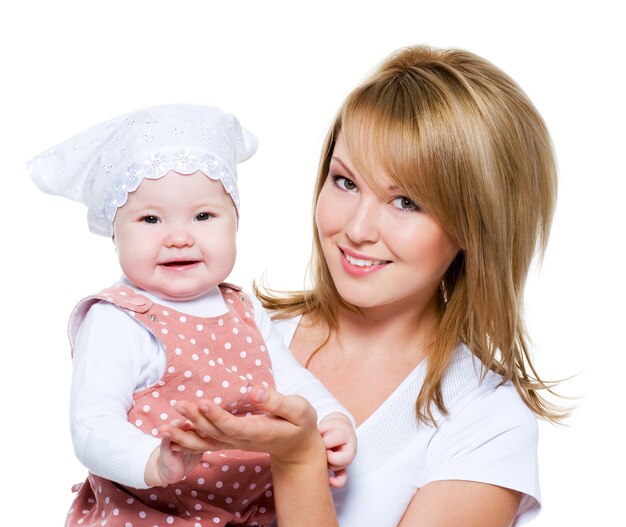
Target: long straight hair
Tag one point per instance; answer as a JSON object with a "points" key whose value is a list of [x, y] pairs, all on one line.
{"points": [[458, 136]]}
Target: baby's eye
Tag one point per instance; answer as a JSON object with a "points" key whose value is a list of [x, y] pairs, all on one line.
{"points": [[203, 216], [404, 203], [344, 183], [150, 219]]}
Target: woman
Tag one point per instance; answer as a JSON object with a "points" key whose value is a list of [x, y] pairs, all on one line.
{"points": [[437, 184]]}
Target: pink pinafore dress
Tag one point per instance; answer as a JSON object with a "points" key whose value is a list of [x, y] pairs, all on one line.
{"points": [[214, 358]]}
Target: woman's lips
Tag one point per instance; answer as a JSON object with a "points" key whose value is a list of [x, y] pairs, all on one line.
{"points": [[359, 265]]}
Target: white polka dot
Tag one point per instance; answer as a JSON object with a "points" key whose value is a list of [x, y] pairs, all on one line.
{"points": [[252, 486], [235, 331], [183, 319], [171, 369], [262, 348], [128, 524], [228, 345], [197, 506], [166, 313], [258, 362], [195, 357], [164, 331], [249, 376], [211, 496], [242, 468], [178, 492], [228, 500], [146, 408], [206, 378], [122, 293], [163, 416], [236, 485], [155, 394], [169, 520], [206, 351], [130, 501], [236, 319], [181, 388], [138, 422], [216, 520], [257, 469], [200, 481], [181, 336], [172, 402], [178, 351], [142, 514], [199, 327], [217, 400], [262, 509], [234, 368], [244, 502], [225, 468], [220, 322], [188, 374], [193, 341], [243, 389], [213, 337], [249, 340], [155, 432], [243, 354], [268, 493], [220, 360], [219, 484], [199, 393], [225, 384], [211, 363], [116, 512]]}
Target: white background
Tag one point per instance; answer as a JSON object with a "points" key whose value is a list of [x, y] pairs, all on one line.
{"points": [[283, 68]]}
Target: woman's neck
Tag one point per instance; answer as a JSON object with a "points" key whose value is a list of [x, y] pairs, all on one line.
{"points": [[375, 328]]}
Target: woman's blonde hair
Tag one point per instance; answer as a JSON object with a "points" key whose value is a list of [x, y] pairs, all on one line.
{"points": [[460, 138]]}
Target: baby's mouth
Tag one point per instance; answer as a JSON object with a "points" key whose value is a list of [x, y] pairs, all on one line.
{"points": [[180, 265]]}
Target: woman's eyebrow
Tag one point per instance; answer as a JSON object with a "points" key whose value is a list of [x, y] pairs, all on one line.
{"points": [[392, 187], [345, 167]]}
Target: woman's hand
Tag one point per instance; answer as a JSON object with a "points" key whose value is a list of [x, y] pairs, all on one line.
{"points": [[286, 429]]}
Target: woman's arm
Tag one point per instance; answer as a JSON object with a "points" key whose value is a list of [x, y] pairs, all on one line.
{"points": [[288, 432], [462, 504]]}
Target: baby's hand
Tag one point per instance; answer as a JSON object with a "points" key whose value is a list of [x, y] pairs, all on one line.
{"points": [[169, 464], [340, 441]]}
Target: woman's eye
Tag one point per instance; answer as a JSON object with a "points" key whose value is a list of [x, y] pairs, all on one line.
{"points": [[150, 219], [344, 183], [404, 203], [203, 216]]}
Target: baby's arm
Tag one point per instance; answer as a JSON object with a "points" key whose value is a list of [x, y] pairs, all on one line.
{"points": [[335, 423], [340, 442], [113, 357]]}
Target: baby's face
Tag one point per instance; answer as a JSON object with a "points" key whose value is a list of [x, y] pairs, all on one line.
{"points": [[175, 236]]}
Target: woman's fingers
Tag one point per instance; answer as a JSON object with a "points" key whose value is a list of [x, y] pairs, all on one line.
{"points": [[294, 408]]}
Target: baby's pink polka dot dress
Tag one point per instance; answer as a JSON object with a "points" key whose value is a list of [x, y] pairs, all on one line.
{"points": [[215, 358]]}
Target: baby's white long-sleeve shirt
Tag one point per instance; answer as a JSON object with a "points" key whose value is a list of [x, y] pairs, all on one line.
{"points": [[115, 356]]}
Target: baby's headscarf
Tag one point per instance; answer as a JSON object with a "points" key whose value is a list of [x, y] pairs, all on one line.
{"points": [[100, 166]]}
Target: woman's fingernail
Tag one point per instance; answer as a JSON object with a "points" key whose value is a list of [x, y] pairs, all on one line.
{"points": [[259, 395]]}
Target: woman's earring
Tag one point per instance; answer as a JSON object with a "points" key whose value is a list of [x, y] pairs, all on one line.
{"points": [[444, 293]]}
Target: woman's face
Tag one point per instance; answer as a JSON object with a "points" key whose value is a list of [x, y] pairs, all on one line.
{"points": [[382, 250]]}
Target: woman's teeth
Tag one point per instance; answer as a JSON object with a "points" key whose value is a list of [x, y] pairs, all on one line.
{"points": [[363, 263]]}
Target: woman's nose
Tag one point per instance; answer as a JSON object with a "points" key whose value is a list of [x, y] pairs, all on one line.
{"points": [[362, 226]]}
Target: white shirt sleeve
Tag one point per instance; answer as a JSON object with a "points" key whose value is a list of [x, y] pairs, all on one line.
{"points": [[489, 436], [113, 357], [290, 377]]}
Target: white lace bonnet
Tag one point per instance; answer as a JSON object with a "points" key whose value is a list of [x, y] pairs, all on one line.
{"points": [[100, 166]]}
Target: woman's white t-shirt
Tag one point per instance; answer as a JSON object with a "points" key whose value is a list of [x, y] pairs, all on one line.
{"points": [[488, 436]]}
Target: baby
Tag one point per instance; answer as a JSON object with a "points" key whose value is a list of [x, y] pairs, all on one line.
{"points": [[162, 183]]}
